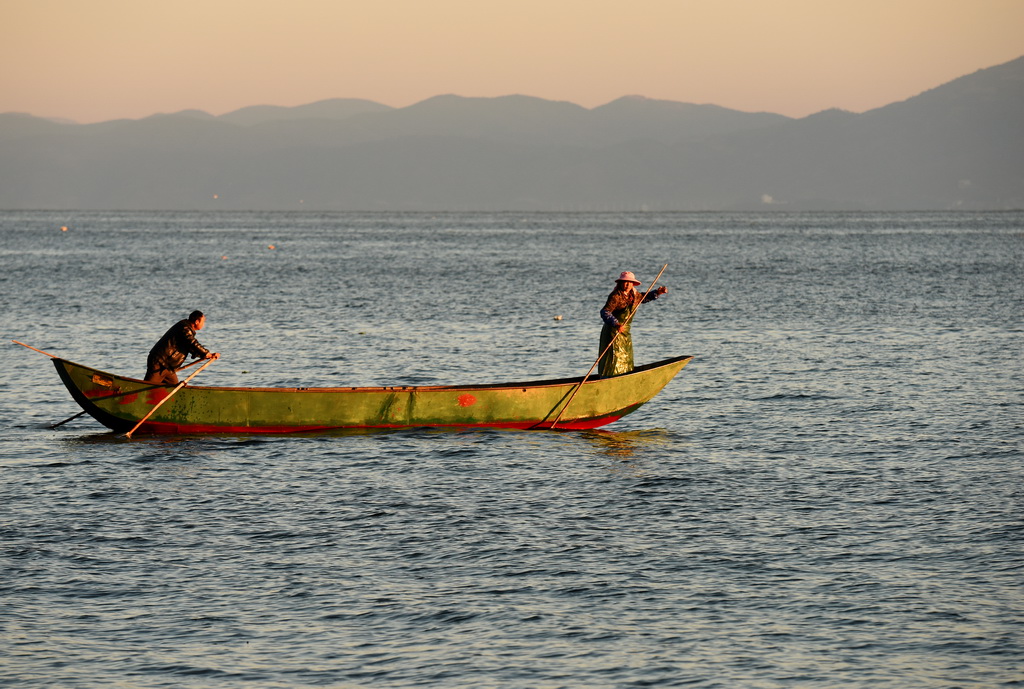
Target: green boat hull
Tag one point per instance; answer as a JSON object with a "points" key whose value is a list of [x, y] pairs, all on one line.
{"points": [[119, 403]]}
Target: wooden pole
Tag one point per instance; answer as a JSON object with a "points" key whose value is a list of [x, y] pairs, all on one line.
{"points": [[70, 418], [601, 355], [191, 363], [52, 356], [169, 396]]}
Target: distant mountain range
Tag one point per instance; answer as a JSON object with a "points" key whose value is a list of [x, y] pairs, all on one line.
{"points": [[958, 146]]}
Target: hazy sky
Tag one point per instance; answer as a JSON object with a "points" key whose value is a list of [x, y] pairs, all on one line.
{"points": [[92, 60]]}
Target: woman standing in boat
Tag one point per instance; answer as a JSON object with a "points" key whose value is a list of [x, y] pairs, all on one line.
{"points": [[617, 316]]}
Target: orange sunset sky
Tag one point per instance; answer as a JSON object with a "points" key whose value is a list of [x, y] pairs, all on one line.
{"points": [[94, 60]]}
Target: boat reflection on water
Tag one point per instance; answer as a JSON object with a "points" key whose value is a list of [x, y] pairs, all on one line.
{"points": [[625, 444]]}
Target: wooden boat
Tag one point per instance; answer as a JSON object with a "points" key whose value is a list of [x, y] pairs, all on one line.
{"points": [[119, 403]]}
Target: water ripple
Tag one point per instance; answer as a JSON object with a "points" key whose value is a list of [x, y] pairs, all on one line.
{"points": [[829, 495]]}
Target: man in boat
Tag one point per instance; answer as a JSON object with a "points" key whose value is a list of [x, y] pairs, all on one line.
{"points": [[170, 351], [617, 315]]}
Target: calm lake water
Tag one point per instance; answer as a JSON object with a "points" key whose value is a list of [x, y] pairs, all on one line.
{"points": [[830, 495]]}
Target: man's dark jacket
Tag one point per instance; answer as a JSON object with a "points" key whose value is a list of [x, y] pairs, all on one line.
{"points": [[170, 351]]}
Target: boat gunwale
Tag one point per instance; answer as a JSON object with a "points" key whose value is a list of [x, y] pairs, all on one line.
{"points": [[555, 382]]}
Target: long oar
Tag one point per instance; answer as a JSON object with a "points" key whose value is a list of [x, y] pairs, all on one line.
{"points": [[70, 418], [52, 356], [605, 351], [191, 363], [169, 396]]}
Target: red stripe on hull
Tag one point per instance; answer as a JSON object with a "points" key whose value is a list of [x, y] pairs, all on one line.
{"points": [[204, 429]]}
